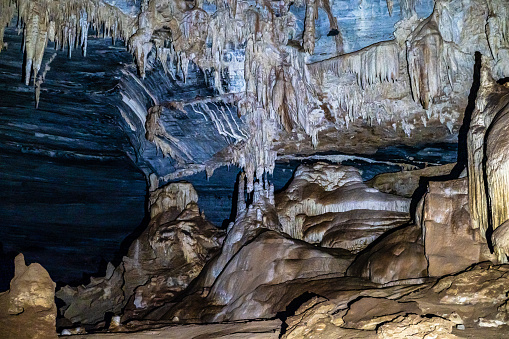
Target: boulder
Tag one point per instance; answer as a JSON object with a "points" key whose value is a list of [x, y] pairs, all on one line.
{"points": [[28, 309]]}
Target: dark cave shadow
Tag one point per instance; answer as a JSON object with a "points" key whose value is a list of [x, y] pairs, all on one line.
{"points": [[126, 243], [6, 268], [503, 81], [292, 307], [235, 198], [462, 159]]}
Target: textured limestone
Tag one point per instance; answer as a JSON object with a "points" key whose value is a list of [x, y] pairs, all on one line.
{"points": [[473, 298], [487, 159], [259, 270], [172, 196], [405, 183], [28, 309], [159, 265], [414, 85], [417, 327], [329, 204]]}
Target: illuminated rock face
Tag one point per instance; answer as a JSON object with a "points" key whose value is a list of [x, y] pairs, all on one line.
{"points": [[451, 243], [257, 58], [330, 205], [242, 83], [159, 265], [28, 309]]}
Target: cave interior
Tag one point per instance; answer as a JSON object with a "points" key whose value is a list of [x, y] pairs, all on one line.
{"points": [[254, 168]]}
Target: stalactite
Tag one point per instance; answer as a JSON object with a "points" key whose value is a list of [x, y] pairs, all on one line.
{"points": [[390, 6], [7, 10], [333, 23], [423, 56], [309, 26], [373, 64]]}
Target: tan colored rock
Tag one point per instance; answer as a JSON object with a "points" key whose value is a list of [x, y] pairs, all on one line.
{"points": [[353, 230], [159, 265], [173, 195], [88, 304], [331, 203], [259, 271], [268, 329], [367, 313], [181, 248], [405, 183], [395, 256], [28, 309], [270, 259], [451, 242], [413, 326], [475, 298]]}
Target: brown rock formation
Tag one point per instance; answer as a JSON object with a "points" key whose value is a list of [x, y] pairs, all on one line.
{"points": [[396, 256], [451, 242], [28, 309], [476, 299], [160, 263], [405, 183]]}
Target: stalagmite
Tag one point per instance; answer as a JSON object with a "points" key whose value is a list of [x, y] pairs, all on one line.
{"points": [[482, 117]]}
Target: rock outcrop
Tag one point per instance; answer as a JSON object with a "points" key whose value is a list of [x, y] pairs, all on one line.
{"points": [[471, 300], [487, 159], [405, 183], [28, 309], [160, 263], [259, 271], [330, 205], [451, 242]]}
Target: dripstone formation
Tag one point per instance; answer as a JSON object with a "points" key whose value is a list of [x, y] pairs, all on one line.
{"points": [[417, 253]]}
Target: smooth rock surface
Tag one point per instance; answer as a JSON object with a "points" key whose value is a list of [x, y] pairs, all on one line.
{"points": [[339, 191], [451, 242], [398, 255], [405, 183]]}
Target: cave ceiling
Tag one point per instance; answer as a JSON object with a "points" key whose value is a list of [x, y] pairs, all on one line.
{"points": [[196, 85]]}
